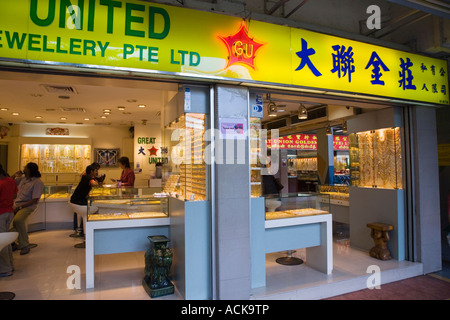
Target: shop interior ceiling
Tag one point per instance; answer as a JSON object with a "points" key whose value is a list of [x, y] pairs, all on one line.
{"points": [[58, 99], [322, 111], [55, 99]]}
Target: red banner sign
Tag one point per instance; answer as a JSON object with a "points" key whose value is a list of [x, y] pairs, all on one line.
{"points": [[305, 142]]}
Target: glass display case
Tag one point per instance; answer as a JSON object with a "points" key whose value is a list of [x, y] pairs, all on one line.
{"points": [[335, 192], [376, 159], [57, 192], [56, 158], [293, 205], [255, 165], [129, 205], [189, 172]]}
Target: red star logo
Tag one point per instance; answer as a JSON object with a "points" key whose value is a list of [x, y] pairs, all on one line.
{"points": [[153, 151], [241, 47]]}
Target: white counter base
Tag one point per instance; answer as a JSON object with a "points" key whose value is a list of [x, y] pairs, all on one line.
{"points": [[314, 233], [116, 236], [311, 232]]}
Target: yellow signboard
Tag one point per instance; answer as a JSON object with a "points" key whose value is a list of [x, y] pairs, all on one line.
{"points": [[444, 154], [158, 38]]}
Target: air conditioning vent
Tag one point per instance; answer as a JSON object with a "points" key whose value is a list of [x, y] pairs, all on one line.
{"points": [[60, 89], [102, 123], [34, 121], [67, 109]]}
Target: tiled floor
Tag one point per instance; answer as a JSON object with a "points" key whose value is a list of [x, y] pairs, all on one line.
{"points": [[42, 274], [351, 270]]}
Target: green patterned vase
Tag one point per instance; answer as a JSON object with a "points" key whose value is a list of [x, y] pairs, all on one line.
{"points": [[158, 260]]}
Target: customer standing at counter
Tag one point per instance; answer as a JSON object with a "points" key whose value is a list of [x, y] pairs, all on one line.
{"points": [[8, 191], [101, 178], [79, 198], [30, 190], [77, 227], [127, 177]]}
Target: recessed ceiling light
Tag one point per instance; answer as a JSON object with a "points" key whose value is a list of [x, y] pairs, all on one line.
{"points": [[63, 118], [4, 109], [87, 119], [121, 108], [142, 106], [38, 117], [106, 110], [103, 117], [15, 113], [131, 100]]}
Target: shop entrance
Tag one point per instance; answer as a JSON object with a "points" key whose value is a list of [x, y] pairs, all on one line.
{"points": [[342, 150], [66, 122]]}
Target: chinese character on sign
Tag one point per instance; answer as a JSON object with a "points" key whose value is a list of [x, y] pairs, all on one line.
{"points": [[444, 89], [141, 151], [406, 76], [376, 63], [305, 59], [343, 61], [434, 88], [423, 67], [424, 87], [442, 72], [433, 70]]}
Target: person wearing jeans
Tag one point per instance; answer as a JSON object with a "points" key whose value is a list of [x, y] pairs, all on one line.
{"points": [[30, 190]]}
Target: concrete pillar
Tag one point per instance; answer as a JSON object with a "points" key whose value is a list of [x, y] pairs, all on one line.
{"points": [[232, 198], [426, 179]]}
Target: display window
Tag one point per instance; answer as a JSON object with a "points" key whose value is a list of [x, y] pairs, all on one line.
{"points": [[56, 158], [186, 171], [336, 151], [376, 158]]}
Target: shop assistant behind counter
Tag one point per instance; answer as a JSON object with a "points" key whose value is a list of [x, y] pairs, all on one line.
{"points": [[127, 177]]}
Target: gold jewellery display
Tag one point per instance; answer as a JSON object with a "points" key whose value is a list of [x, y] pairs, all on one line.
{"points": [[376, 159]]}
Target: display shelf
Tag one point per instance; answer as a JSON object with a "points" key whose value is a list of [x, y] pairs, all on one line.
{"points": [[56, 158], [294, 205], [255, 165], [125, 206], [338, 194], [188, 180], [376, 159], [57, 192]]}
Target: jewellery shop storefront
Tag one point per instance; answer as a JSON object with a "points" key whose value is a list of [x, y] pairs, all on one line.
{"points": [[265, 154]]}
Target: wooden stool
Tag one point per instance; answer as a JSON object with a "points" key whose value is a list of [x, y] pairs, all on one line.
{"points": [[380, 236]]}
